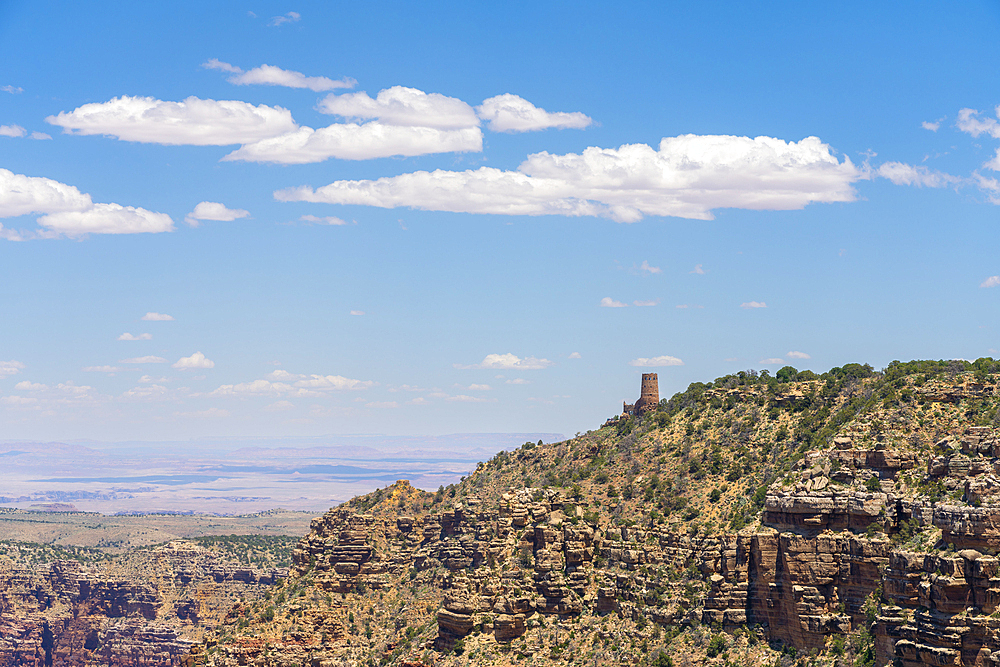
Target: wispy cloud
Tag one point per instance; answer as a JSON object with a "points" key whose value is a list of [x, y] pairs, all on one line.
{"points": [[771, 361], [608, 302], [157, 317], [575, 355], [517, 381], [992, 281], [149, 359], [270, 75], [357, 312], [13, 90], [290, 17], [325, 220], [11, 131], [510, 113], [798, 355], [645, 267], [933, 126], [653, 362], [646, 303], [508, 362], [698, 270], [142, 336], [906, 174], [753, 304], [11, 367]]}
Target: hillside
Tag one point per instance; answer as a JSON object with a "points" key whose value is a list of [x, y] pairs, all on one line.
{"points": [[842, 518]]}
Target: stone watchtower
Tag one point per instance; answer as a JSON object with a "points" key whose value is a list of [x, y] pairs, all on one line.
{"points": [[649, 396]]}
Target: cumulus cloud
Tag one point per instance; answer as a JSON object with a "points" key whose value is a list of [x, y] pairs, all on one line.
{"points": [[351, 141], [210, 210], [575, 355], [11, 131], [641, 303], [400, 105], [280, 406], [335, 382], [970, 123], [107, 219], [194, 121], [688, 177], [772, 361], [270, 75], [30, 386], [517, 381], [326, 220], [907, 174], [932, 126], [290, 17], [653, 362], [608, 302], [509, 362], [992, 281], [510, 113], [39, 136], [798, 355], [149, 359], [20, 195], [753, 304], [157, 317], [196, 360], [142, 336], [10, 368], [645, 267]]}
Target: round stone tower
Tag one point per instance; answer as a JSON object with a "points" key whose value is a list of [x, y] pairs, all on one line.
{"points": [[650, 394]]}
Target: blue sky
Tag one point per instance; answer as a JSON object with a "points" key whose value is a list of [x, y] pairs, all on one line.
{"points": [[387, 218]]}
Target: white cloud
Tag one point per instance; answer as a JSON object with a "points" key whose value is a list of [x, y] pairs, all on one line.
{"points": [[350, 141], [269, 75], [685, 306], [476, 387], [687, 177], [40, 136], [327, 220], [142, 336], [144, 360], [107, 219], [157, 317], [798, 355], [510, 113], [17, 400], [210, 210], [933, 127], [992, 281], [280, 406], [646, 303], [211, 413], [419, 400], [608, 302], [336, 382], [30, 386], [753, 304], [403, 106], [771, 361], [462, 398], [653, 362], [194, 121], [290, 17], [970, 123], [150, 379], [10, 368], [646, 268], [357, 312], [697, 270], [575, 355], [907, 174], [13, 90], [11, 131], [518, 381], [105, 369], [509, 362], [196, 360], [20, 195]]}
